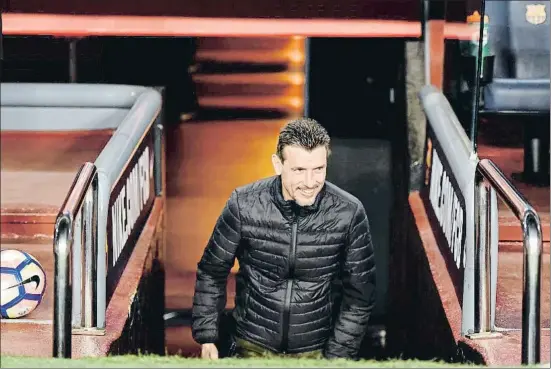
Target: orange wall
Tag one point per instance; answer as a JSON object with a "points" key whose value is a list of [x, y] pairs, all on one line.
{"points": [[206, 161]]}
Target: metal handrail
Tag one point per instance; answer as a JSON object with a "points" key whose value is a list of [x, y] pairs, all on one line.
{"points": [[488, 173], [82, 197]]}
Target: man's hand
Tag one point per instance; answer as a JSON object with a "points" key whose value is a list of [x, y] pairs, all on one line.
{"points": [[209, 351]]}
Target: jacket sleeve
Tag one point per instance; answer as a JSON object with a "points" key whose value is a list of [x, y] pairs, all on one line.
{"points": [[213, 269], [358, 297]]}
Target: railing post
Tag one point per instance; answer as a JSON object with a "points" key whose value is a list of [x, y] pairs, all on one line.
{"points": [[89, 230], [158, 131], [82, 199], [482, 269], [483, 327], [532, 250], [62, 287], [531, 289]]}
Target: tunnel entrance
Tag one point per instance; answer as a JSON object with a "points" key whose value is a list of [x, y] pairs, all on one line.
{"points": [[359, 96]]}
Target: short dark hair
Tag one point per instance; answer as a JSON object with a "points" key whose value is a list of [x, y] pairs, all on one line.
{"points": [[306, 133]]}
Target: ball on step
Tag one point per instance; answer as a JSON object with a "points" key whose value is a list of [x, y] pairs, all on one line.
{"points": [[22, 283]]}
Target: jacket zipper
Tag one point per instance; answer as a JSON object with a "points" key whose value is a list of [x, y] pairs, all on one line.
{"points": [[289, 289]]}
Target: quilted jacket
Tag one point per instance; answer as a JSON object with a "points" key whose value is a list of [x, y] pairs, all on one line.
{"points": [[306, 277]]}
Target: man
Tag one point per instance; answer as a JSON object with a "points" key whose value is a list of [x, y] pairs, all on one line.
{"points": [[306, 280]]}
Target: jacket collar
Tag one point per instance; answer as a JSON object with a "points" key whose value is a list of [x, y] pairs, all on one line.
{"points": [[289, 208]]}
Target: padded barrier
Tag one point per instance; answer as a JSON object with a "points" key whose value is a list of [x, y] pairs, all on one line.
{"points": [[60, 107], [450, 165]]}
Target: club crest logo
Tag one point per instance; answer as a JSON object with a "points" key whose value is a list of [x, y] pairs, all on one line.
{"points": [[535, 14]]}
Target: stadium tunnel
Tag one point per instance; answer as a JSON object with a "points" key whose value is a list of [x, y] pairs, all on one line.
{"points": [[216, 91]]}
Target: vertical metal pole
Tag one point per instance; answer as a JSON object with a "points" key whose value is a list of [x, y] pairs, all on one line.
{"points": [[426, 40], [102, 201], [493, 254], [475, 106], [90, 273], [62, 288], [485, 265], [95, 248], [73, 61], [82, 277], [482, 270], [158, 146], [531, 290]]}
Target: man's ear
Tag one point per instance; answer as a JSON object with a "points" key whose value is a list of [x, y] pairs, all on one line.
{"points": [[278, 165]]}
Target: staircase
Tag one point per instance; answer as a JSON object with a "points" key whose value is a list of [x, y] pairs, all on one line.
{"points": [[247, 77]]}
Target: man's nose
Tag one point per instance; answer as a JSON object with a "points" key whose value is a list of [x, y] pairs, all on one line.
{"points": [[309, 180]]}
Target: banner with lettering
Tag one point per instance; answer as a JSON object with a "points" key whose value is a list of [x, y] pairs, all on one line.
{"points": [[130, 202], [446, 208]]}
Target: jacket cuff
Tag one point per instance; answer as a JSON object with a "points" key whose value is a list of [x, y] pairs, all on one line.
{"points": [[207, 336], [334, 350]]}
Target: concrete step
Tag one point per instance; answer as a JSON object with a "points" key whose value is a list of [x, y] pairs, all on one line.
{"points": [[264, 79], [284, 51], [256, 84], [276, 103], [250, 43], [286, 58], [506, 351]]}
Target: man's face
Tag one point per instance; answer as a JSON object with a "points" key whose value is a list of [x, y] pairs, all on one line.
{"points": [[302, 173]]}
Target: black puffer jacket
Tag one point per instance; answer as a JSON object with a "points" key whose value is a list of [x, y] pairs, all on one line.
{"points": [[307, 274]]}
